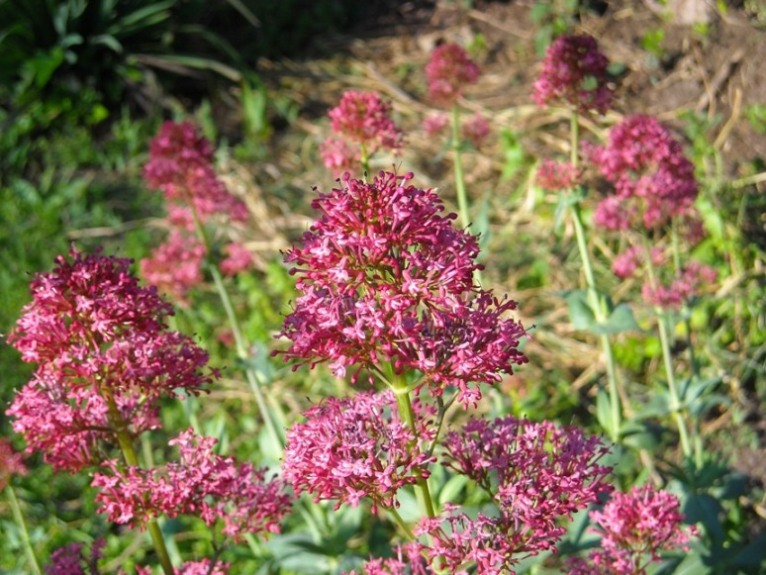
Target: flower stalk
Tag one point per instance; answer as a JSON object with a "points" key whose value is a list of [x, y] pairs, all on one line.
{"points": [[18, 516]]}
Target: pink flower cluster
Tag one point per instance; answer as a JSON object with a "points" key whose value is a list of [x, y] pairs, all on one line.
{"points": [[349, 449], [362, 125], [557, 176], [434, 124], [681, 289], [71, 560], [574, 71], [11, 463], [175, 266], [635, 528], [384, 278], [653, 179], [448, 71], [200, 483], [181, 165], [105, 357], [203, 567], [409, 560], [536, 474], [475, 130]]}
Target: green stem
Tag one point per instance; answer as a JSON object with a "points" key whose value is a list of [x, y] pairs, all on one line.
{"points": [[462, 195], [672, 387], [19, 517], [239, 339], [597, 304], [668, 361], [408, 417], [401, 523], [129, 453]]}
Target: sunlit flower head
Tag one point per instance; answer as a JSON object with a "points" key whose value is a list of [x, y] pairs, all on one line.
{"points": [[448, 72]]}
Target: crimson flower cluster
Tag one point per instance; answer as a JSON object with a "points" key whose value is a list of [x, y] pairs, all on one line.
{"points": [[181, 166], [535, 473], [386, 280], [409, 560], [557, 176], [574, 71], [653, 180], [203, 567], [105, 357], [362, 125], [200, 483], [476, 129], [635, 528], [448, 71], [72, 560], [352, 448]]}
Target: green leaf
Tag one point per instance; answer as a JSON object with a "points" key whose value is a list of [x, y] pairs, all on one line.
{"points": [[620, 320], [452, 488], [638, 435], [580, 312]]}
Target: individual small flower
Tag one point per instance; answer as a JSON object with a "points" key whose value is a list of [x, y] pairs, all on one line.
{"points": [[536, 474], [448, 71], [201, 483], [434, 124], [384, 278], [557, 176], [175, 266], [476, 130], [635, 528], [574, 71], [11, 463], [238, 259], [692, 278], [653, 179], [365, 119], [181, 165], [71, 560], [105, 357], [355, 448], [339, 156]]}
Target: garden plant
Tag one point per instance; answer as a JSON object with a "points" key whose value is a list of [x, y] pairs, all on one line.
{"points": [[430, 337]]}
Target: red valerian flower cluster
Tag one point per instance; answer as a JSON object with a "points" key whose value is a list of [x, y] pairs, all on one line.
{"points": [[653, 179], [574, 71], [200, 483], [105, 355], [693, 277], [349, 449], [385, 279], [635, 528], [362, 125], [181, 166], [535, 473], [72, 560], [409, 560], [475, 130], [557, 176], [448, 71]]}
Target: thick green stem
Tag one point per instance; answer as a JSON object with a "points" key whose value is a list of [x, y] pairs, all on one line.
{"points": [[597, 304], [129, 453], [408, 417], [18, 516]]}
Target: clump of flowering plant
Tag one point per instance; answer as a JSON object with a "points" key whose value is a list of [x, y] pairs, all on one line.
{"points": [[652, 177], [181, 166], [199, 483], [635, 529], [105, 357], [72, 559], [574, 72], [386, 285], [448, 71], [362, 125], [353, 448]]}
